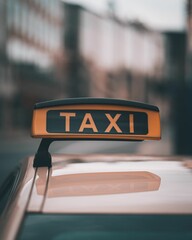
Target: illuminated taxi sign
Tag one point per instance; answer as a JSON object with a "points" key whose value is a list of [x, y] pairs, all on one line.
{"points": [[96, 122], [89, 118]]}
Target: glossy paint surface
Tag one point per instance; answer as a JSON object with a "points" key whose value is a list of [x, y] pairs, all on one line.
{"points": [[115, 184]]}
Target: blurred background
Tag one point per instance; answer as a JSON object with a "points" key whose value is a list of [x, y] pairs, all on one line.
{"points": [[135, 50]]}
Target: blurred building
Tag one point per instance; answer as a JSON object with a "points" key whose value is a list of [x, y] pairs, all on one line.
{"points": [[186, 126], [50, 49], [31, 55], [112, 58], [7, 86], [174, 90], [189, 40]]}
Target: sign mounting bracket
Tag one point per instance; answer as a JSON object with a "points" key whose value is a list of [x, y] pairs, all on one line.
{"points": [[43, 157]]}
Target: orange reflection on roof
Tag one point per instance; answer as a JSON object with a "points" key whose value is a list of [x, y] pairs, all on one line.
{"points": [[101, 183]]}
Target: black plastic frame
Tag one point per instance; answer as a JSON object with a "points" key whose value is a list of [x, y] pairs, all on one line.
{"points": [[100, 101]]}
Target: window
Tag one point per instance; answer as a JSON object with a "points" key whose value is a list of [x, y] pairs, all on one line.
{"points": [[106, 226]]}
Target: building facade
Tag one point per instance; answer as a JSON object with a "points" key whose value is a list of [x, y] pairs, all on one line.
{"points": [[32, 57], [50, 49]]}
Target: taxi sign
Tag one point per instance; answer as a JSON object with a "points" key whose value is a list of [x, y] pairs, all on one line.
{"points": [[89, 118], [92, 119]]}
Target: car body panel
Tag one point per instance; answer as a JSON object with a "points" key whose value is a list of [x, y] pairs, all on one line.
{"points": [[123, 184], [36, 200], [16, 207], [100, 184]]}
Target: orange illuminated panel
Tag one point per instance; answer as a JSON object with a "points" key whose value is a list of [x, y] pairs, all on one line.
{"points": [[96, 119]]}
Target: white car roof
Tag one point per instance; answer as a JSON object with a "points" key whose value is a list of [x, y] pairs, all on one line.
{"points": [[113, 184]]}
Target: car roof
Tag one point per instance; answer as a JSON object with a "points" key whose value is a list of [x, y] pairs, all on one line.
{"points": [[113, 184]]}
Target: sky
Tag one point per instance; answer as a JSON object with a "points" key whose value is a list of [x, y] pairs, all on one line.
{"points": [[158, 14]]}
